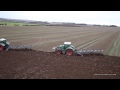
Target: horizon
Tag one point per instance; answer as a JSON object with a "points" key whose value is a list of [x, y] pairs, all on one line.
{"points": [[78, 17]]}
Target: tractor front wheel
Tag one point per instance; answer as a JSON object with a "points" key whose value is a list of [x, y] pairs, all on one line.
{"points": [[69, 52], [1, 48], [58, 52]]}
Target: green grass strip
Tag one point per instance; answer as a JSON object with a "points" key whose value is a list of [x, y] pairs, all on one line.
{"points": [[112, 50]]}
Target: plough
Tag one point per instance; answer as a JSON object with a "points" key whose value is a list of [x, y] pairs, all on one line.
{"points": [[69, 49], [5, 45], [66, 48]]}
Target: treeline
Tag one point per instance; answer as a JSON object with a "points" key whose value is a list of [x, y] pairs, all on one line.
{"points": [[3, 24], [113, 26], [106, 25], [12, 24], [33, 25], [71, 25]]}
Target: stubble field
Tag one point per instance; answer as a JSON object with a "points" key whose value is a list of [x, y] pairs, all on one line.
{"points": [[43, 38]]}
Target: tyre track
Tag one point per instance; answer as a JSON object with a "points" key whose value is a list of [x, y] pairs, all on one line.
{"points": [[83, 45]]}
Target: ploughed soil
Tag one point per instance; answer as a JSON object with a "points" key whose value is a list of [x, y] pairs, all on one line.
{"points": [[30, 64]]}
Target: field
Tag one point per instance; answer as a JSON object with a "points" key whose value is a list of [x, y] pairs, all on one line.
{"points": [[14, 24], [46, 65], [40, 63], [43, 38]]}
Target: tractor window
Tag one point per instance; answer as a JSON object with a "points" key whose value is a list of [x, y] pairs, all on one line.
{"points": [[4, 41], [66, 46]]}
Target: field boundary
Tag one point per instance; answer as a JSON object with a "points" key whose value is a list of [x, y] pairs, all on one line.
{"points": [[113, 48]]}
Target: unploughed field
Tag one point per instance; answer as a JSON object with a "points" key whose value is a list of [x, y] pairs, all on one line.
{"points": [[40, 63], [43, 38]]}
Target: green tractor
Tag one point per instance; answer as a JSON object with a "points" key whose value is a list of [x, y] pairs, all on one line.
{"points": [[67, 48], [4, 45]]}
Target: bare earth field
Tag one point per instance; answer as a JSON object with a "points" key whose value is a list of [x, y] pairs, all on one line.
{"points": [[46, 65], [40, 63]]}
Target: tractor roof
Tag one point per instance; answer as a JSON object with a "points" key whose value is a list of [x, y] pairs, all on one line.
{"points": [[67, 42], [2, 39]]}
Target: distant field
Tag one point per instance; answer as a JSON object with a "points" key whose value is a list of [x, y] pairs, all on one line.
{"points": [[43, 38], [14, 24]]}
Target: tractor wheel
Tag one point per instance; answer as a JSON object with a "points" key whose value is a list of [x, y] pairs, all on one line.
{"points": [[1, 48], [69, 52], [58, 52]]}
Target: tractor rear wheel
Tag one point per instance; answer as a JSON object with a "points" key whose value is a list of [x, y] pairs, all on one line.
{"points": [[1, 48], [58, 52], [69, 52]]}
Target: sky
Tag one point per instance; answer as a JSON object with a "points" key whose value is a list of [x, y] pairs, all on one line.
{"points": [[88, 17]]}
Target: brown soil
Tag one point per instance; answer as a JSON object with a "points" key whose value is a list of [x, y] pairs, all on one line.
{"points": [[30, 64]]}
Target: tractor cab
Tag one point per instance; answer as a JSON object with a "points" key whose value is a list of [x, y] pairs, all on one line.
{"points": [[2, 40], [67, 44], [64, 46], [4, 45]]}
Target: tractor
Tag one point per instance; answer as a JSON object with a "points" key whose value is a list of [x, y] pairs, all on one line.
{"points": [[66, 48], [69, 49], [4, 45]]}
